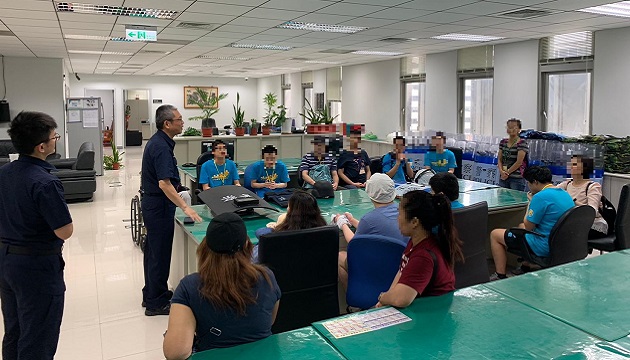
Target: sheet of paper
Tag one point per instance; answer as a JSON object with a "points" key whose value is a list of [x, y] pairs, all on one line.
{"points": [[75, 103], [90, 118], [364, 322], [74, 115]]}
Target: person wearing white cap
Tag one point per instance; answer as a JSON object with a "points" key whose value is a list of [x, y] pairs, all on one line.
{"points": [[383, 220]]}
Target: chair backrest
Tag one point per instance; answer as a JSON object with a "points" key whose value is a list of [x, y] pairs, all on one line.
{"points": [[85, 157], [373, 261], [200, 161], [622, 221], [568, 239], [305, 265], [376, 164], [248, 176], [458, 160], [471, 223]]}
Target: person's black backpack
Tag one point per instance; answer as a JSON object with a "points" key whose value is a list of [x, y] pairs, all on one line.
{"points": [[607, 210]]}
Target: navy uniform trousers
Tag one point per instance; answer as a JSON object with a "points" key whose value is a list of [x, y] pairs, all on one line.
{"points": [[32, 293], [158, 214]]}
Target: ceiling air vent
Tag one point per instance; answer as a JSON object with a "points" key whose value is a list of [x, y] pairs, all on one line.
{"points": [[6, 33], [397, 40], [526, 13], [153, 52], [298, 59], [196, 26], [336, 51]]}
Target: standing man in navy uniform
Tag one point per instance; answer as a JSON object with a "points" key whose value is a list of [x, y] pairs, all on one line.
{"points": [[160, 178], [34, 223]]}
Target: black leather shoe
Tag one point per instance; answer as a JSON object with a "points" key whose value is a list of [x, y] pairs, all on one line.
{"points": [[144, 304], [164, 310], [170, 295]]}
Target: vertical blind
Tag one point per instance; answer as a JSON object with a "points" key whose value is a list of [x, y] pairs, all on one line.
{"points": [[333, 83]]}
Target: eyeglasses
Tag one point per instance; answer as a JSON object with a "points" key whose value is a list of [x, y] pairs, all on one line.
{"points": [[56, 137], [179, 119]]}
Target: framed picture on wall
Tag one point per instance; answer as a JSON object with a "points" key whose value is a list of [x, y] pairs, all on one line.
{"points": [[191, 92]]}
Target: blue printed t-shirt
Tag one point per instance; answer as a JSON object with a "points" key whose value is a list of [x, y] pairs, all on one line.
{"points": [[456, 205], [218, 175], [279, 174], [381, 221], [546, 207], [389, 161], [440, 162], [235, 329]]}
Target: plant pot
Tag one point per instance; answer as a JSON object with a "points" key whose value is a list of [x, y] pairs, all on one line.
{"points": [[115, 166], [321, 129], [253, 131], [206, 132], [240, 131], [266, 130]]}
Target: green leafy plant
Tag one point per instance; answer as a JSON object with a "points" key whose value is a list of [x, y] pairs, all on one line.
{"points": [[117, 155], [239, 115], [108, 162], [325, 115], [191, 131], [280, 117], [113, 161], [270, 101], [310, 114], [208, 103], [253, 122]]}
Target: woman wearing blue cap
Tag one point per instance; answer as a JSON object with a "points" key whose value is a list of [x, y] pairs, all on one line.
{"points": [[229, 302]]}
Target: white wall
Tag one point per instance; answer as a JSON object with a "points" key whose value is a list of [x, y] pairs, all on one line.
{"points": [[371, 95], [266, 85], [171, 90], [515, 85], [35, 84], [295, 108], [441, 99], [611, 84]]}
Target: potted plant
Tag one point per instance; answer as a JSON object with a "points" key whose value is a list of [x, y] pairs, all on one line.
{"points": [[320, 122], [253, 130], [191, 131], [127, 116], [209, 105], [239, 117], [113, 162], [327, 119], [280, 117], [270, 101]]}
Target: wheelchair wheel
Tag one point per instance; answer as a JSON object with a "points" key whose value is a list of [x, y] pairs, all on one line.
{"points": [[136, 220], [143, 241]]}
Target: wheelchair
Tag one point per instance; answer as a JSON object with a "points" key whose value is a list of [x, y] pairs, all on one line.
{"points": [[138, 231]]}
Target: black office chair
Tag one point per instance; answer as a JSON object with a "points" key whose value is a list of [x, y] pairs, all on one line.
{"points": [[83, 161], [458, 160], [206, 146], [305, 265], [376, 164], [208, 155], [568, 239], [471, 223], [620, 238]]}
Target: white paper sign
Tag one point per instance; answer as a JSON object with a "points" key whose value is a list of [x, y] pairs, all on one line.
{"points": [[90, 118]]}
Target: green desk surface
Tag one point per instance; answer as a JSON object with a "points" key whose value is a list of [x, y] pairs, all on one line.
{"points": [[354, 201], [591, 295], [497, 198], [472, 323], [468, 186], [303, 344]]}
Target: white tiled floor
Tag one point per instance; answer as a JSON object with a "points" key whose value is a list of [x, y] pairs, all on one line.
{"points": [[103, 318]]}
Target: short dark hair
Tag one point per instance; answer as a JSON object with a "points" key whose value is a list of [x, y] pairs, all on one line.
{"points": [[268, 149], [29, 129], [445, 183], [587, 166], [216, 143], [515, 120], [537, 173], [399, 137], [163, 113]]}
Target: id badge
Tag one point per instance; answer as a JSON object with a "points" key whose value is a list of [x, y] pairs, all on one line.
{"points": [[362, 171]]}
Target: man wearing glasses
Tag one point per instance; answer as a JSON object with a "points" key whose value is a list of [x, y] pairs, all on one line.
{"points": [[159, 181], [34, 223]]}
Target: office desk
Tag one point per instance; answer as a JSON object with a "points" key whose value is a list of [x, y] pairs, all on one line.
{"points": [[472, 323], [303, 344], [591, 294]]}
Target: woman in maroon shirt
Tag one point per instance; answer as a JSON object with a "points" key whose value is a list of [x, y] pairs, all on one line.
{"points": [[426, 268]]}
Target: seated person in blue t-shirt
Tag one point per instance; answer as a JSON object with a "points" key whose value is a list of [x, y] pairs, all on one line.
{"points": [[396, 164], [546, 206], [268, 173], [447, 184], [229, 302], [438, 158], [383, 220], [220, 170], [353, 165]]}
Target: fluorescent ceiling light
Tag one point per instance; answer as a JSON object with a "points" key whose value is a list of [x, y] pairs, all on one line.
{"points": [[379, 53], [296, 25], [110, 62], [236, 58], [467, 37], [321, 62], [90, 52], [621, 9], [200, 65], [107, 68], [86, 37], [260, 47], [115, 10]]}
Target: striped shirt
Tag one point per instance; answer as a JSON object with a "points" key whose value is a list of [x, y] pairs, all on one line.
{"points": [[509, 155], [310, 160]]}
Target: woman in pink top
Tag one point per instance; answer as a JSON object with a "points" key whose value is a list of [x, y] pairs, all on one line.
{"points": [[585, 192]]}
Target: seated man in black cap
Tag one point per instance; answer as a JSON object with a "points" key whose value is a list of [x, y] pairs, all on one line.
{"points": [[319, 165]]}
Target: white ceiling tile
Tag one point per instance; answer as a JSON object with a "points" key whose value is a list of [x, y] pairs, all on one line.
{"points": [[266, 38], [7, 14], [69, 25], [162, 37], [484, 8], [380, 32], [203, 18], [575, 4], [519, 25], [324, 18], [32, 5], [175, 5], [257, 22], [483, 21], [604, 20], [523, 34], [444, 17], [306, 6], [128, 20], [283, 15], [222, 9], [566, 16], [446, 29], [89, 18], [437, 5], [519, 2], [369, 22], [410, 25], [353, 10], [241, 29]]}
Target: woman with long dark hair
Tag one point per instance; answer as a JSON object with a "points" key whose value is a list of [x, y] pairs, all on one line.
{"points": [[230, 301], [427, 264]]}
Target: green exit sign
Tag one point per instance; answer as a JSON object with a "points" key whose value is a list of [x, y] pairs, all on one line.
{"points": [[141, 34]]}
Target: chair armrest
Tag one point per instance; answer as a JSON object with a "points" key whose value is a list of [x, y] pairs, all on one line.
{"points": [[521, 232]]}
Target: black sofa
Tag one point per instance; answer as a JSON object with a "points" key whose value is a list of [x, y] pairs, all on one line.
{"points": [[77, 175]]}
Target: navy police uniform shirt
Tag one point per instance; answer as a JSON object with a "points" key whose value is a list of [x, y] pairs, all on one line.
{"points": [[32, 205], [158, 163]]}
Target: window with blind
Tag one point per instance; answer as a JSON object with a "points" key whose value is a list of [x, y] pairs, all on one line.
{"points": [[566, 66], [475, 67], [413, 79]]}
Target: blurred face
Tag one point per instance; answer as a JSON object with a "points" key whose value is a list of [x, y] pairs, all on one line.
{"points": [[220, 151], [405, 225], [575, 167], [270, 159], [437, 142], [176, 124], [512, 128], [355, 140], [319, 148], [399, 146]]}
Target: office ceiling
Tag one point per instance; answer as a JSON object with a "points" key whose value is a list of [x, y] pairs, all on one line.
{"points": [[33, 28]]}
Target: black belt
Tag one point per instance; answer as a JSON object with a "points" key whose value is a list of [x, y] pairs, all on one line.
{"points": [[23, 250]]}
